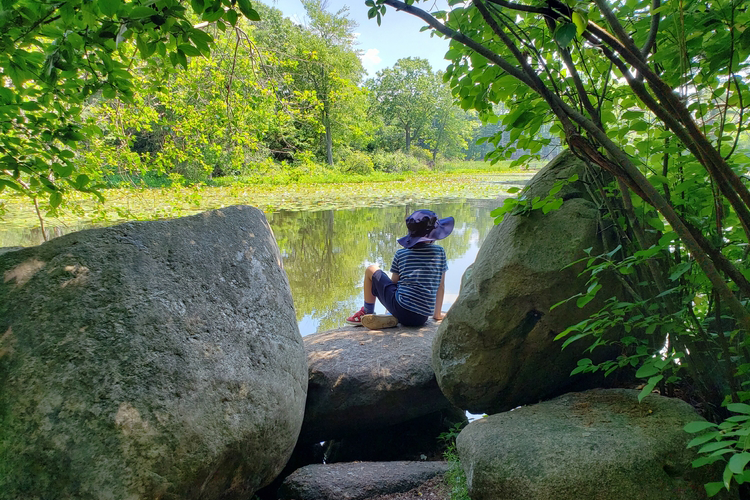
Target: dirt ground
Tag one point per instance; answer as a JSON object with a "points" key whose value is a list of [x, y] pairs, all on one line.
{"points": [[434, 489]]}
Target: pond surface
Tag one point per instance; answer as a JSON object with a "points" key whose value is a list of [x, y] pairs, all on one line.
{"points": [[325, 252]]}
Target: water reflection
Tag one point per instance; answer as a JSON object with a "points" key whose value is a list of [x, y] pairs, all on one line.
{"points": [[325, 253]]}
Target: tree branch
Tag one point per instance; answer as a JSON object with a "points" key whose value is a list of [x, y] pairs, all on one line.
{"points": [[538, 85], [521, 8], [582, 94], [463, 39], [654, 29]]}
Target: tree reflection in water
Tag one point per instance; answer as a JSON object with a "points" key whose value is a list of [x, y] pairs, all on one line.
{"points": [[325, 253]]}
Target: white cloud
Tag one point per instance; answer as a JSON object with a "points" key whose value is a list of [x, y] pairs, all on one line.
{"points": [[370, 59]]}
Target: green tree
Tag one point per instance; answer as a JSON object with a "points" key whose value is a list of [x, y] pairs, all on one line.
{"points": [[655, 96], [329, 67], [451, 126], [164, 127], [405, 95], [55, 55]]}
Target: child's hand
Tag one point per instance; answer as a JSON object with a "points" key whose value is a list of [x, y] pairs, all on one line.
{"points": [[438, 316]]}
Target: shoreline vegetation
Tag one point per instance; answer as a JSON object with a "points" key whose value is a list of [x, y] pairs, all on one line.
{"points": [[135, 198]]}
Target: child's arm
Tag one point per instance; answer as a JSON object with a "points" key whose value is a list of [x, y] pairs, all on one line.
{"points": [[438, 314], [395, 277]]}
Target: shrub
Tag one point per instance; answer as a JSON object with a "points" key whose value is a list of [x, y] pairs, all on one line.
{"points": [[421, 154], [454, 478], [357, 162], [396, 162]]}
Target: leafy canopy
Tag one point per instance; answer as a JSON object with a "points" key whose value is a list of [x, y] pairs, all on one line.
{"points": [[56, 55]]}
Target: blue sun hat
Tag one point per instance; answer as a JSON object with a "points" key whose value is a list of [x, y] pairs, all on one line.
{"points": [[424, 225]]}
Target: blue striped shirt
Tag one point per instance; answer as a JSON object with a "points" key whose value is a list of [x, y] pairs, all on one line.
{"points": [[419, 270]]}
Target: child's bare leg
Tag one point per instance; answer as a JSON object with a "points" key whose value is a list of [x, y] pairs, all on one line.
{"points": [[369, 297]]}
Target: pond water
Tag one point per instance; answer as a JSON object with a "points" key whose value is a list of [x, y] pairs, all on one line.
{"points": [[325, 252]]}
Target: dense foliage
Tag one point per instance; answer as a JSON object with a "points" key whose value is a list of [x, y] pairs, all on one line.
{"points": [[96, 93], [654, 97]]}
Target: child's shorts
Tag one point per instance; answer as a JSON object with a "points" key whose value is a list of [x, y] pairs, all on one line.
{"points": [[385, 290]]}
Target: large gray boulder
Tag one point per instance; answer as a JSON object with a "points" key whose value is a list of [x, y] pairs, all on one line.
{"points": [[598, 445], [495, 349], [357, 480], [361, 380], [149, 360]]}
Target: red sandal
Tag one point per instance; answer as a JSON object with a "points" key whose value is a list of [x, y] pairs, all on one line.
{"points": [[356, 318]]}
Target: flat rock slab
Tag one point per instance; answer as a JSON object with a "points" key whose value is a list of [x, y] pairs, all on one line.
{"points": [[357, 480], [599, 444], [361, 379]]}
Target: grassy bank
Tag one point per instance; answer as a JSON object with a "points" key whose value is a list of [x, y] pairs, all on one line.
{"points": [[306, 193], [314, 173]]}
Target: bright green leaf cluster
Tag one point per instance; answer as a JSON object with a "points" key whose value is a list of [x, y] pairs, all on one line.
{"points": [[58, 56]]}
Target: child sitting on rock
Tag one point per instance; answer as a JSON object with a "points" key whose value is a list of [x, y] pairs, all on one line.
{"points": [[417, 283]]}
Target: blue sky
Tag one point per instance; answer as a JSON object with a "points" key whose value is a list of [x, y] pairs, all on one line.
{"points": [[398, 35]]}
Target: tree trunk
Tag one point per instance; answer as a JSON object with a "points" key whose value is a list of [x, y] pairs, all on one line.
{"points": [[408, 139], [329, 143], [329, 135]]}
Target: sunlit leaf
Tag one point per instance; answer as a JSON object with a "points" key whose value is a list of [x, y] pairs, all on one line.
{"points": [[565, 34]]}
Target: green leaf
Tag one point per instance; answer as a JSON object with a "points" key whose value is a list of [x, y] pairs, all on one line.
{"points": [[197, 6], [81, 181], [583, 300], [738, 462], [649, 387], [629, 115], [6, 183], [181, 58], [739, 408], [658, 180], [552, 205], [679, 270], [656, 223], [247, 10], [141, 12], [727, 477], [719, 445], [572, 339], [55, 199], [231, 16], [580, 21], [646, 371], [30, 106], [712, 489], [189, 50], [565, 33], [145, 49], [667, 238], [703, 438], [63, 170], [109, 7]]}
